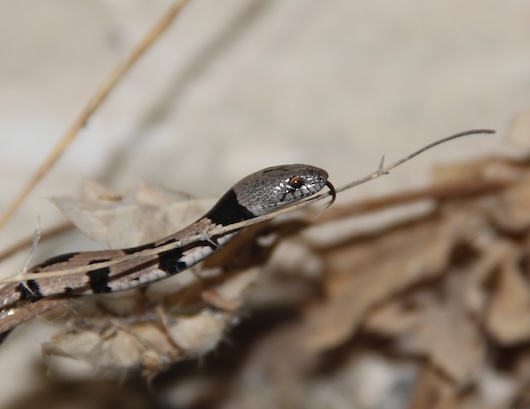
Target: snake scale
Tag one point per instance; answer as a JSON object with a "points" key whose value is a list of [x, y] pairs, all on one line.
{"points": [[257, 194]]}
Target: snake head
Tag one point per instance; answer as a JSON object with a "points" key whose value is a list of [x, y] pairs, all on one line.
{"points": [[267, 190], [280, 186]]}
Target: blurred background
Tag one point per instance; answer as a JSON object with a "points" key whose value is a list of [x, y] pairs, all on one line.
{"points": [[238, 85]]}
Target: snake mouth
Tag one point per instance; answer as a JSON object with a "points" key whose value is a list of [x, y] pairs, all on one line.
{"points": [[332, 192]]}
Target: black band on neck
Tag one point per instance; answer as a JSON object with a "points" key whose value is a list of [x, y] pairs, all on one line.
{"points": [[228, 210]]}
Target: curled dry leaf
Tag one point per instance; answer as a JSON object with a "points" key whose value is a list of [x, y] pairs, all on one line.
{"points": [[509, 209], [509, 314], [128, 222], [363, 273], [117, 347], [443, 322], [440, 328]]}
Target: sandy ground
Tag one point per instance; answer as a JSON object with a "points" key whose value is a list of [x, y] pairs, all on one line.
{"points": [[238, 85]]}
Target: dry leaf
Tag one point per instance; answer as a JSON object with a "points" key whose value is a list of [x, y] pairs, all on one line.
{"points": [[509, 314], [127, 223], [363, 275]]}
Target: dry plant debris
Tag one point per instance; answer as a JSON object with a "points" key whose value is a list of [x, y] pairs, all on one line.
{"points": [[440, 301]]}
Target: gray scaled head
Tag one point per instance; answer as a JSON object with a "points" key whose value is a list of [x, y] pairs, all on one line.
{"points": [[279, 186]]}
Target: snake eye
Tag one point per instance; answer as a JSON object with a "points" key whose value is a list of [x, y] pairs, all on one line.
{"points": [[296, 182]]}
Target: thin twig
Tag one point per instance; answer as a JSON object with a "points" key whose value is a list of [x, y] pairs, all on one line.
{"points": [[385, 170], [34, 242], [95, 102], [206, 235]]}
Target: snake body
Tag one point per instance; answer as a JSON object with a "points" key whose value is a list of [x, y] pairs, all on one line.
{"points": [[257, 194]]}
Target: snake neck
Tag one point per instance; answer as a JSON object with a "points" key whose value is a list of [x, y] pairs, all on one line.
{"points": [[228, 210]]}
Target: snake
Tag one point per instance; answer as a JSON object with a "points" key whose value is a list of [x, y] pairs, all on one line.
{"points": [[257, 194]]}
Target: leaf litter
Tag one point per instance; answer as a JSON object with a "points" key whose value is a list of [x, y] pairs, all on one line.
{"points": [[440, 300]]}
